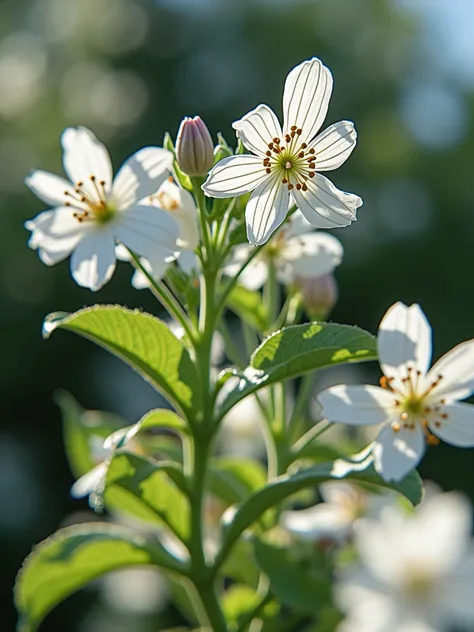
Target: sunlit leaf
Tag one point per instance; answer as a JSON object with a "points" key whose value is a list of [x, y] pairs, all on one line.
{"points": [[142, 341], [297, 349], [74, 556]]}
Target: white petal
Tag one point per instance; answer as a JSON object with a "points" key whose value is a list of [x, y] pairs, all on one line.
{"points": [[93, 260], [458, 597], [458, 428], [141, 175], [312, 255], [404, 339], [254, 275], [48, 187], [356, 405], [157, 270], [297, 224], [121, 253], [235, 175], [188, 261], [306, 97], [266, 210], [84, 156], [324, 521], [324, 205], [90, 481], [457, 369], [56, 233], [334, 146], [441, 532], [258, 128], [397, 453], [148, 231], [180, 203]]}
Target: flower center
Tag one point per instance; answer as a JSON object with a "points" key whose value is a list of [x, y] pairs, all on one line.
{"points": [[291, 159], [415, 403], [89, 198]]}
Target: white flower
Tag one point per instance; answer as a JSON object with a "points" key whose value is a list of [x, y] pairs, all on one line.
{"points": [[334, 519], [93, 211], [413, 403], [415, 573], [296, 251], [287, 161], [182, 207]]}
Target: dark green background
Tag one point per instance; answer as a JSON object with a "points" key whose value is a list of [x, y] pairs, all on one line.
{"points": [[130, 71]]}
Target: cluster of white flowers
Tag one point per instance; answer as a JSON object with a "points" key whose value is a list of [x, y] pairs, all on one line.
{"points": [[414, 572]]}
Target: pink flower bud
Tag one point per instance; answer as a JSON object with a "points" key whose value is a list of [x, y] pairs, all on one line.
{"points": [[319, 294], [194, 147]]}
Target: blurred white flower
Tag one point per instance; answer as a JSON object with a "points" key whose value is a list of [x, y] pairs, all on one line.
{"points": [[296, 251], [286, 161], [334, 519], [182, 207], [415, 572], [136, 590], [94, 211], [413, 403]]}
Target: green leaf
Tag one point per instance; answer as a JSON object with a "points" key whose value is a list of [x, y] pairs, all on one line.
{"points": [[238, 601], [274, 492], [74, 556], [153, 491], [234, 479], [80, 426], [294, 350], [141, 340], [293, 583], [157, 418], [248, 305]]}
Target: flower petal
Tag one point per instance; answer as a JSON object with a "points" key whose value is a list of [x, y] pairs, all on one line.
{"points": [[297, 224], [188, 261], [85, 156], [148, 231], [324, 521], [90, 481], [324, 205], [55, 233], [404, 339], [256, 272], [313, 254], [258, 128], [306, 96], [141, 175], [397, 452], [266, 210], [356, 405], [457, 369], [157, 270], [458, 427], [93, 260], [334, 146], [49, 187], [182, 207], [235, 175]]}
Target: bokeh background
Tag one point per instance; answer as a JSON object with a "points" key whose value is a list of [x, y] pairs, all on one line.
{"points": [[130, 70]]}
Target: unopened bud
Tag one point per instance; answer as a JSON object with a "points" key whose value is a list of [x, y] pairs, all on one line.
{"points": [[319, 294], [194, 147]]}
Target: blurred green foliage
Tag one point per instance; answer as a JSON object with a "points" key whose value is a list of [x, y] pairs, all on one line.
{"points": [[130, 70]]}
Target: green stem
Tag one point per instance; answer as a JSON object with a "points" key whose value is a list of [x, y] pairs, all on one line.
{"points": [[201, 574], [203, 218], [304, 392], [310, 436], [166, 297], [232, 282], [253, 614]]}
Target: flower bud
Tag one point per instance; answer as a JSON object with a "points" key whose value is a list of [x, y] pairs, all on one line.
{"points": [[194, 147], [319, 294]]}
